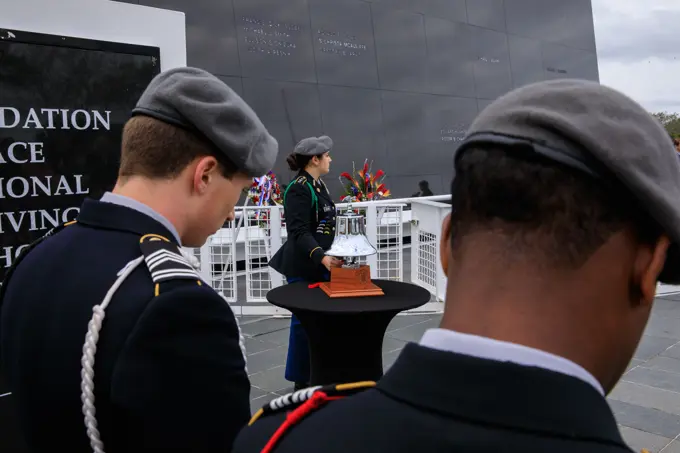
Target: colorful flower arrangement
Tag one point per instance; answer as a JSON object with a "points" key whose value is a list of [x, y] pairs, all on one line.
{"points": [[363, 185], [265, 191]]}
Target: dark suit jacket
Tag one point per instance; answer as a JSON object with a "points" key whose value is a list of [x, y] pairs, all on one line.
{"points": [[169, 373], [434, 401]]}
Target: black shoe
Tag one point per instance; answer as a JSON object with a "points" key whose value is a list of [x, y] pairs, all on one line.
{"points": [[300, 386]]}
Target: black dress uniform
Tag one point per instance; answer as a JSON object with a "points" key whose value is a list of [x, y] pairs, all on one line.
{"points": [[438, 401], [169, 373], [310, 223]]}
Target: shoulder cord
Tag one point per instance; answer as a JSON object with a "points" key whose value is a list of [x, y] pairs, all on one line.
{"points": [[315, 199], [87, 360], [90, 349], [310, 400]]}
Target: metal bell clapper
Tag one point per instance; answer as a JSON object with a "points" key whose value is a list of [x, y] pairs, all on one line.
{"points": [[352, 279]]}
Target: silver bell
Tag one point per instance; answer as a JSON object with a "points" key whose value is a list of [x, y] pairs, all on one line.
{"points": [[350, 240]]}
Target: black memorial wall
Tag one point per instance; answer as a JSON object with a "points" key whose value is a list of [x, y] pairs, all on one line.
{"points": [[396, 81], [63, 104]]}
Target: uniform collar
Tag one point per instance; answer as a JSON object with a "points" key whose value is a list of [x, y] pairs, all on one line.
{"points": [[487, 348], [100, 214], [310, 178], [501, 394], [144, 209]]}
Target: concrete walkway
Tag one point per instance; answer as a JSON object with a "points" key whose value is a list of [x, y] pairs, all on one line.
{"points": [[646, 401]]}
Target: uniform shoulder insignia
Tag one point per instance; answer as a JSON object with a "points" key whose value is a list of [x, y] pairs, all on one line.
{"points": [[301, 180], [309, 399], [165, 260], [302, 403]]}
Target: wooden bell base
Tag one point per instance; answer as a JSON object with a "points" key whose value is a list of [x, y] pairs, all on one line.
{"points": [[351, 282]]}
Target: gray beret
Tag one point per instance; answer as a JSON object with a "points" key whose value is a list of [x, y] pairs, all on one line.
{"points": [[313, 146], [196, 100], [599, 131]]}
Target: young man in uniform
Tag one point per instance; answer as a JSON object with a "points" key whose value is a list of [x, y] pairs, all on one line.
{"points": [[565, 217], [169, 374]]}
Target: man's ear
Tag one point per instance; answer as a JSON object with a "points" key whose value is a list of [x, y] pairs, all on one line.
{"points": [[445, 244], [205, 169], [649, 268]]}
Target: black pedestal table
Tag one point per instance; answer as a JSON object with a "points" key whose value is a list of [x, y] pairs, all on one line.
{"points": [[346, 334]]}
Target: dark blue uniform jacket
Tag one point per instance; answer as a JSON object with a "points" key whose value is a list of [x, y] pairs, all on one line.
{"points": [[169, 373]]}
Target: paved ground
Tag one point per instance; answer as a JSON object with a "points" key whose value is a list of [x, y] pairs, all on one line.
{"points": [[646, 401]]}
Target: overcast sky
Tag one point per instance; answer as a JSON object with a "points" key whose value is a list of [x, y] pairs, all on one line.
{"points": [[638, 47]]}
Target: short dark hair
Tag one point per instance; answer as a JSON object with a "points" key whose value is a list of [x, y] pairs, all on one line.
{"points": [[556, 215], [157, 150]]}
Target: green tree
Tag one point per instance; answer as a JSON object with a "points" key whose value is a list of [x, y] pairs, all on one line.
{"points": [[671, 121]]}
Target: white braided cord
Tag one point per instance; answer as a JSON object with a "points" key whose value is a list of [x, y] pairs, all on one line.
{"points": [[241, 338], [297, 397], [89, 351]]}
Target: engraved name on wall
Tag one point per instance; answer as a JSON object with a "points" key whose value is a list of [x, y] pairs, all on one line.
{"points": [[454, 133], [339, 43], [270, 37]]}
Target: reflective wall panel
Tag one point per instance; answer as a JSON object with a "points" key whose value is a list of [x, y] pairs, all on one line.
{"points": [[401, 49], [344, 48], [487, 14], [394, 81]]}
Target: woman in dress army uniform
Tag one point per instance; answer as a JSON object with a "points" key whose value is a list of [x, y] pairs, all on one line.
{"points": [[310, 223]]}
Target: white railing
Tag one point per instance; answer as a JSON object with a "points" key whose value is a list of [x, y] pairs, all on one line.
{"points": [[234, 260], [426, 269], [667, 290]]}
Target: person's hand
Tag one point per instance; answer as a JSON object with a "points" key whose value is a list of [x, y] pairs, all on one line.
{"points": [[331, 261]]}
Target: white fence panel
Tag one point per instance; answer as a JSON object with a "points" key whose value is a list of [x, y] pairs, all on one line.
{"points": [[426, 269], [665, 290], [390, 238], [235, 259]]}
